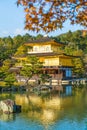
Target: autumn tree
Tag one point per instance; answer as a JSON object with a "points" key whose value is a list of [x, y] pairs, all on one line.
{"points": [[49, 15]]}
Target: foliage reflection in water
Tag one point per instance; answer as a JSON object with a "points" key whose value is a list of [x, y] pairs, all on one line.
{"points": [[65, 110]]}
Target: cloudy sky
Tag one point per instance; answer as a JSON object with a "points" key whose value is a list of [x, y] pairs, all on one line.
{"points": [[12, 21]]}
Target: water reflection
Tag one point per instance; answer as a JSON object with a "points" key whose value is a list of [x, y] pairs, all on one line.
{"points": [[68, 90], [7, 117], [54, 108]]}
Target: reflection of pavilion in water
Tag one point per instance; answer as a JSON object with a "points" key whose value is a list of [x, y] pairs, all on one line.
{"points": [[46, 109], [38, 108], [67, 90], [63, 90], [53, 111]]}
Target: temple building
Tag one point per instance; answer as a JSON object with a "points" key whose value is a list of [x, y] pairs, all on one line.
{"points": [[55, 63]]}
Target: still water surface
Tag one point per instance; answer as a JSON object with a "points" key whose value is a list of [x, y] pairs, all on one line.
{"points": [[65, 110]]}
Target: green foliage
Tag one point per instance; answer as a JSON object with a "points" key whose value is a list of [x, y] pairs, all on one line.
{"points": [[10, 79], [2, 74], [78, 69], [44, 78], [76, 45], [31, 67], [39, 36], [75, 40], [21, 51], [4, 71], [5, 74], [9, 46]]}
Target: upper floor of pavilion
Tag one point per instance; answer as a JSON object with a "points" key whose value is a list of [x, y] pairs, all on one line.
{"points": [[44, 45]]}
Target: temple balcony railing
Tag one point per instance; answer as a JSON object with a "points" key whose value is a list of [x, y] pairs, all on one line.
{"points": [[34, 52]]}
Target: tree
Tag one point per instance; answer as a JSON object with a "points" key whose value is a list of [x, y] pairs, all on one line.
{"points": [[8, 42], [18, 40], [7, 49], [10, 79], [44, 78], [78, 68], [5, 73], [27, 37], [31, 67], [4, 70], [21, 51], [49, 15], [39, 36]]}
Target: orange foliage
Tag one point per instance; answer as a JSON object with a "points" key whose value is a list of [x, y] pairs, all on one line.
{"points": [[49, 15]]}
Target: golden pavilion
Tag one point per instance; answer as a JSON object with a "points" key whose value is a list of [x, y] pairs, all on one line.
{"points": [[55, 62]]}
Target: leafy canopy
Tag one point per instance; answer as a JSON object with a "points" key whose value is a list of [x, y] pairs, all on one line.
{"points": [[49, 15], [32, 66], [10, 79]]}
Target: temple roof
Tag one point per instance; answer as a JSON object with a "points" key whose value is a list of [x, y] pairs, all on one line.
{"points": [[44, 40]]}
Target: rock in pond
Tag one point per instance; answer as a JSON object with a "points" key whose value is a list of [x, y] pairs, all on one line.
{"points": [[8, 106]]}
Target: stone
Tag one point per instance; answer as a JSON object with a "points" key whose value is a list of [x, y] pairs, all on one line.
{"points": [[9, 106]]}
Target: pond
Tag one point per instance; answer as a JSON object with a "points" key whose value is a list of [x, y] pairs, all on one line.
{"points": [[64, 110]]}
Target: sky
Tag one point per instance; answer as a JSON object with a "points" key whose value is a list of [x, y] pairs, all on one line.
{"points": [[12, 21]]}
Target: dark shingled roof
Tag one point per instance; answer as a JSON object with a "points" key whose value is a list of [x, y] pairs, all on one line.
{"points": [[42, 40]]}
